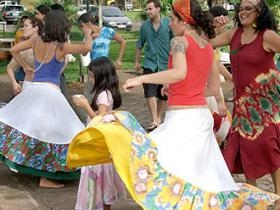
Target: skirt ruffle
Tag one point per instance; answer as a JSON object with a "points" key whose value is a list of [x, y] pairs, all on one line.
{"points": [[120, 139], [24, 154], [35, 130]]}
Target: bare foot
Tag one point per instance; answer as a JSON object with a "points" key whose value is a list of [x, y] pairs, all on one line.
{"points": [[46, 183]]}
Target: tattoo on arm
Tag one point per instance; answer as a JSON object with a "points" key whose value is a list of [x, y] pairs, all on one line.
{"points": [[178, 45]]}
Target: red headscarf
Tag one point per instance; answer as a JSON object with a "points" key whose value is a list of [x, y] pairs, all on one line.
{"points": [[183, 8]]}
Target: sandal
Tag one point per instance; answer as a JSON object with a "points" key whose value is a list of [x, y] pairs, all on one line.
{"points": [[151, 127]]}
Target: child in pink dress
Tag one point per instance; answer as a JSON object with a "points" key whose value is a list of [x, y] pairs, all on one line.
{"points": [[100, 185]]}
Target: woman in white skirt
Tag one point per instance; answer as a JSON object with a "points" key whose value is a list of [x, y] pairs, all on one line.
{"points": [[38, 124], [179, 165]]}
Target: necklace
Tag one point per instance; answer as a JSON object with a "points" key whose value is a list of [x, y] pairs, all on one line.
{"points": [[46, 55]]}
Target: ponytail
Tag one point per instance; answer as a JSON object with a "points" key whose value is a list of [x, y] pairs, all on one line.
{"points": [[204, 20]]}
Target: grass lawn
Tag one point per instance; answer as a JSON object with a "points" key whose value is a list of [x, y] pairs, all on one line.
{"points": [[133, 15], [73, 69]]}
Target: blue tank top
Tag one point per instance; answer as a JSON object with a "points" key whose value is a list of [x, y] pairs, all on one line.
{"points": [[48, 72]]}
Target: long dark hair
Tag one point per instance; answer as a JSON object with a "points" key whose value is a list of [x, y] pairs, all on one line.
{"points": [[265, 20], [44, 9], [87, 18], [203, 20], [56, 27], [105, 78]]}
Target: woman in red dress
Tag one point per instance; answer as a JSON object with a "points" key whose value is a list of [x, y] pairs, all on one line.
{"points": [[254, 144]]}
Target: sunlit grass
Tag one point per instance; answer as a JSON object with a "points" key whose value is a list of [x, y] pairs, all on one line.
{"points": [[72, 71]]}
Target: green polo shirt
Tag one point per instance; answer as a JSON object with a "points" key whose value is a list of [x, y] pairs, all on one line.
{"points": [[157, 44]]}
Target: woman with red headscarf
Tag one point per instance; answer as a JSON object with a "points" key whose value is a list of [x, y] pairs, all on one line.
{"points": [[179, 165]]}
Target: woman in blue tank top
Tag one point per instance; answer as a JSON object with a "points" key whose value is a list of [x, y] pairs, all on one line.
{"points": [[38, 124]]}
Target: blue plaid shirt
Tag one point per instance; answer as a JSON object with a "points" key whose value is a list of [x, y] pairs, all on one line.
{"points": [[101, 44]]}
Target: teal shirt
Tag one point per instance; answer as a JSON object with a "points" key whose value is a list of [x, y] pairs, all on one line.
{"points": [[157, 44]]}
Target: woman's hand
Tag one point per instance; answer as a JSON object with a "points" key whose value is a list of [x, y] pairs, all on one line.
{"points": [[164, 90], [222, 108], [80, 101], [137, 66], [131, 83], [87, 31], [16, 88], [220, 23], [118, 64]]}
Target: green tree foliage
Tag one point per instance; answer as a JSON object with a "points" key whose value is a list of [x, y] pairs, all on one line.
{"points": [[275, 7]]}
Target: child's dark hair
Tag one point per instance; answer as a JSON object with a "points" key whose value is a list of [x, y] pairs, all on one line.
{"points": [[56, 28], [105, 78], [87, 18], [203, 20], [217, 11]]}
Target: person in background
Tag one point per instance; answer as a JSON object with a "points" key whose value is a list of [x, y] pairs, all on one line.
{"points": [[32, 27], [19, 73], [20, 34], [217, 105], [41, 12], [37, 125], [101, 39], [253, 147], [68, 58], [155, 36], [57, 6], [100, 185], [178, 165], [218, 11]]}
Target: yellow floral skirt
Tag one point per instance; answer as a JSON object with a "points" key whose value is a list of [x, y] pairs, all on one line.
{"points": [[120, 139]]}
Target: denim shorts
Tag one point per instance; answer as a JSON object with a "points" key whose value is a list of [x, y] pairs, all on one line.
{"points": [[152, 90]]}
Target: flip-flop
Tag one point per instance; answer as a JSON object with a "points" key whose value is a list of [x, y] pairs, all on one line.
{"points": [[151, 127]]}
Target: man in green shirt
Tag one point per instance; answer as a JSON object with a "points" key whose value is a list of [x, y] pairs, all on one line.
{"points": [[155, 35]]}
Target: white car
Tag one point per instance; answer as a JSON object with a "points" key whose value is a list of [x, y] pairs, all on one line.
{"points": [[113, 17], [3, 3], [83, 9], [229, 6]]}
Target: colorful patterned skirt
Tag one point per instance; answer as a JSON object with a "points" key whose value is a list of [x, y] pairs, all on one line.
{"points": [[36, 128], [254, 141], [170, 168]]}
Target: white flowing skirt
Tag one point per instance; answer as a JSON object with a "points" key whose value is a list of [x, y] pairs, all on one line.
{"points": [[42, 112], [187, 148]]}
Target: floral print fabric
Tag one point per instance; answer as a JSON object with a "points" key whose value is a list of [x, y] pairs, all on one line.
{"points": [[259, 107], [24, 150]]}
